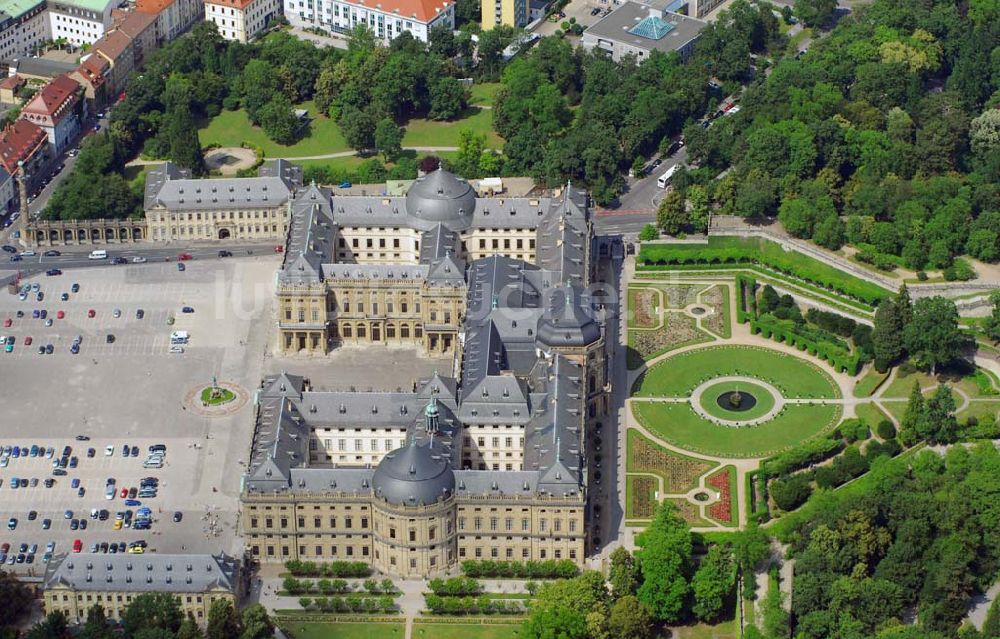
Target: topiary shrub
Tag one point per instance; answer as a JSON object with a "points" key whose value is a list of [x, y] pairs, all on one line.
{"points": [[885, 429]]}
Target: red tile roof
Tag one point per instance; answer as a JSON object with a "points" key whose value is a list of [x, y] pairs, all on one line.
{"points": [[52, 96], [135, 23], [18, 141], [152, 6], [12, 82], [421, 10], [112, 45], [236, 4], [93, 70]]}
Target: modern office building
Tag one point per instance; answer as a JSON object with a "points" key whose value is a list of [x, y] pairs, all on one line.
{"points": [[638, 29]]}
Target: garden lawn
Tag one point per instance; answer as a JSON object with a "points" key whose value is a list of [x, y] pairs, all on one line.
{"points": [[869, 383], [423, 630], [723, 630], [677, 376], [678, 424], [871, 413], [709, 401], [333, 630], [421, 132], [974, 383], [232, 128], [484, 94]]}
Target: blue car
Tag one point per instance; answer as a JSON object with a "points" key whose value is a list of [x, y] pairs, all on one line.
{"points": [[345, 185], [75, 348], [133, 502], [35, 314], [75, 483], [16, 452], [14, 482]]}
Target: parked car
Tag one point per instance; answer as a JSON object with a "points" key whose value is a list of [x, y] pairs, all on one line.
{"points": [[52, 272], [180, 266]]}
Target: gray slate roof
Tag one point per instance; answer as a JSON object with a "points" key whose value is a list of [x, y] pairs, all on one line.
{"points": [[150, 572], [415, 474]]}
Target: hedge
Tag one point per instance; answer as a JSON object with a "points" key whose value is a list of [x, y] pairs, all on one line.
{"points": [[328, 569], [809, 452], [349, 604], [455, 587], [734, 250], [849, 363], [549, 569], [746, 297]]}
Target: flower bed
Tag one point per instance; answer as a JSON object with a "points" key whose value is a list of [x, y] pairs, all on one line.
{"points": [[722, 509], [677, 330], [679, 474], [642, 309], [641, 502]]}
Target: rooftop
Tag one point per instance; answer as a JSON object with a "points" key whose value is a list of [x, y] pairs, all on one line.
{"points": [[51, 98], [154, 572], [18, 141], [645, 27], [422, 10], [112, 45], [16, 8], [91, 5], [41, 67]]}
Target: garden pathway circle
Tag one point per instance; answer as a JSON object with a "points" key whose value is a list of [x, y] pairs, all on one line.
{"points": [[779, 400], [192, 400]]}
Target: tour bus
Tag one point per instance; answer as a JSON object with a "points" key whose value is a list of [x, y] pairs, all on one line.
{"points": [[99, 254], [664, 179]]}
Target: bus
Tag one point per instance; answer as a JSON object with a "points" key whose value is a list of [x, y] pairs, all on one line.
{"points": [[664, 179]]}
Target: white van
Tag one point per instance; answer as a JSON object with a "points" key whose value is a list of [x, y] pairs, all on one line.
{"points": [[99, 254], [179, 337], [664, 179]]}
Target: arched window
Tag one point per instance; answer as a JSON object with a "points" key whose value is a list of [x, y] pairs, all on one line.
{"points": [[390, 331], [418, 331], [346, 331], [404, 331]]}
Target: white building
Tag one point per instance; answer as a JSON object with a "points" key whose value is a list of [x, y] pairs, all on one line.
{"points": [[80, 21], [241, 20], [386, 18], [23, 27]]}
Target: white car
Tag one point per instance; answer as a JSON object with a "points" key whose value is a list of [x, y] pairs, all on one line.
{"points": [[28, 253], [138, 260], [109, 451], [176, 349]]}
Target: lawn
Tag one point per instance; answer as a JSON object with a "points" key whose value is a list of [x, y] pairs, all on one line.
{"points": [[463, 631], [225, 395], [136, 175], [870, 413], [724, 630], [421, 132], [682, 427], [974, 382], [232, 128], [676, 376], [869, 383], [484, 94], [709, 401], [333, 630]]}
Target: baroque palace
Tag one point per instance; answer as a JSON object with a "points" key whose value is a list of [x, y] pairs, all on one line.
{"points": [[488, 463]]}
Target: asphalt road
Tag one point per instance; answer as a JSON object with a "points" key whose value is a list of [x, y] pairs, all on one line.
{"points": [[77, 257], [637, 206]]}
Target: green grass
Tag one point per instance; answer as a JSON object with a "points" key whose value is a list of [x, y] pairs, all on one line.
{"points": [[676, 376], [867, 384], [420, 132], [723, 630], [870, 413], [682, 427], [424, 630], [765, 401], [136, 175], [758, 250], [233, 128], [974, 383], [310, 630], [484, 94], [226, 395]]}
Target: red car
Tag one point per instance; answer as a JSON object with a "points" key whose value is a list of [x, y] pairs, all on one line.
{"points": [[77, 545], [91, 313], [185, 256], [60, 314], [27, 340], [279, 249], [124, 493], [7, 322]]}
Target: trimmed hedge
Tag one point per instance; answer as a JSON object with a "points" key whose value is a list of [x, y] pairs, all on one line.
{"points": [[349, 604], [849, 363], [549, 569], [455, 587], [735, 250], [746, 298], [810, 452], [328, 569]]}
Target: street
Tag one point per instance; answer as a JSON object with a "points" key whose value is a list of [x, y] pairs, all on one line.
{"points": [[637, 206]]}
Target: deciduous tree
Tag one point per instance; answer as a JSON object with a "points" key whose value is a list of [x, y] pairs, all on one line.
{"points": [[664, 556]]}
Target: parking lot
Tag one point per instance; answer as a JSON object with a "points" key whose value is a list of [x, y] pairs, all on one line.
{"points": [[131, 390]]}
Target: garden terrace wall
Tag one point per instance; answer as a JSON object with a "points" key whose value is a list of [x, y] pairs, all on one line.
{"points": [[734, 250]]}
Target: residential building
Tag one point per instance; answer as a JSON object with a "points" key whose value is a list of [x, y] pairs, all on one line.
{"points": [[513, 13], [487, 465], [638, 29], [26, 142], [79, 21], [93, 75], [140, 27], [58, 109], [115, 49], [179, 207], [241, 20], [73, 583], [23, 28], [173, 17], [386, 18]]}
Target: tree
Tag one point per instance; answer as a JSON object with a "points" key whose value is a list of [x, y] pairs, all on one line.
{"points": [[700, 208], [189, 629], [939, 425], [223, 622], [256, 623], [664, 558], [887, 335], [904, 305], [991, 627], [932, 337], [623, 573], [358, 127], [915, 415], [713, 582], [54, 626], [448, 99], [278, 120], [790, 492], [561, 608], [629, 619], [671, 215], [470, 152], [991, 325], [15, 596], [96, 626], [185, 147], [649, 232], [388, 139], [153, 611]]}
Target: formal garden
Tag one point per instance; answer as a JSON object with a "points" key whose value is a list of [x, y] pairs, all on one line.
{"points": [[664, 317]]}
